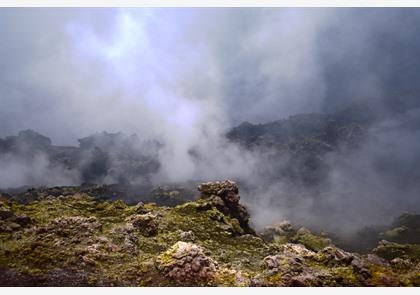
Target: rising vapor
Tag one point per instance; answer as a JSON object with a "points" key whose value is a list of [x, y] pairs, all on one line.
{"points": [[185, 77]]}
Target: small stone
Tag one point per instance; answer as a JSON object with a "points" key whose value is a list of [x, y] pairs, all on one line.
{"points": [[5, 213], [23, 220], [13, 226], [186, 236]]}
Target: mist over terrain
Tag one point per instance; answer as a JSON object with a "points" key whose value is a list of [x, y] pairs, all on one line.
{"points": [[314, 112]]}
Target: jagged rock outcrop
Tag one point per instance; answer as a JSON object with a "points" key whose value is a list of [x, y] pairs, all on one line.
{"points": [[100, 158], [302, 143], [225, 196]]}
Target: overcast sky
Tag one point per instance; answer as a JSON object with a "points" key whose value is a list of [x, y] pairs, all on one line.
{"points": [[68, 73]]}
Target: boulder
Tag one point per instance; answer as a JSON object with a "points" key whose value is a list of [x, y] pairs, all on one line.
{"points": [[334, 256], [147, 223], [280, 232], [186, 263]]}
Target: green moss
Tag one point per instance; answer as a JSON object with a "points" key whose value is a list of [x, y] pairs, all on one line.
{"points": [[382, 276], [389, 250], [274, 279], [310, 241], [343, 276], [82, 234]]}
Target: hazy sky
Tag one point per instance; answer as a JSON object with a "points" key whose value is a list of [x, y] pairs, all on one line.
{"points": [[71, 72]]}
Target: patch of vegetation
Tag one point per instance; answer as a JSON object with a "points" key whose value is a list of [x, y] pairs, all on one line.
{"points": [[77, 240]]}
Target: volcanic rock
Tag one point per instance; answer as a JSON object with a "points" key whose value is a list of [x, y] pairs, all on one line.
{"points": [[225, 196], [187, 263]]}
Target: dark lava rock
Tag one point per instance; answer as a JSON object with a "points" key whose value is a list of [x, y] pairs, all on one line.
{"points": [[226, 198]]}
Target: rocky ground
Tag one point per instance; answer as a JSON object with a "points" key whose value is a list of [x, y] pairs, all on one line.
{"points": [[167, 195], [78, 240]]}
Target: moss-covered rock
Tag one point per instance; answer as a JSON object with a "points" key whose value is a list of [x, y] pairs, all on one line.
{"points": [[389, 250], [225, 196], [147, 224], [281, 232], [186, 263], [311, 241], [334, 256]]}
